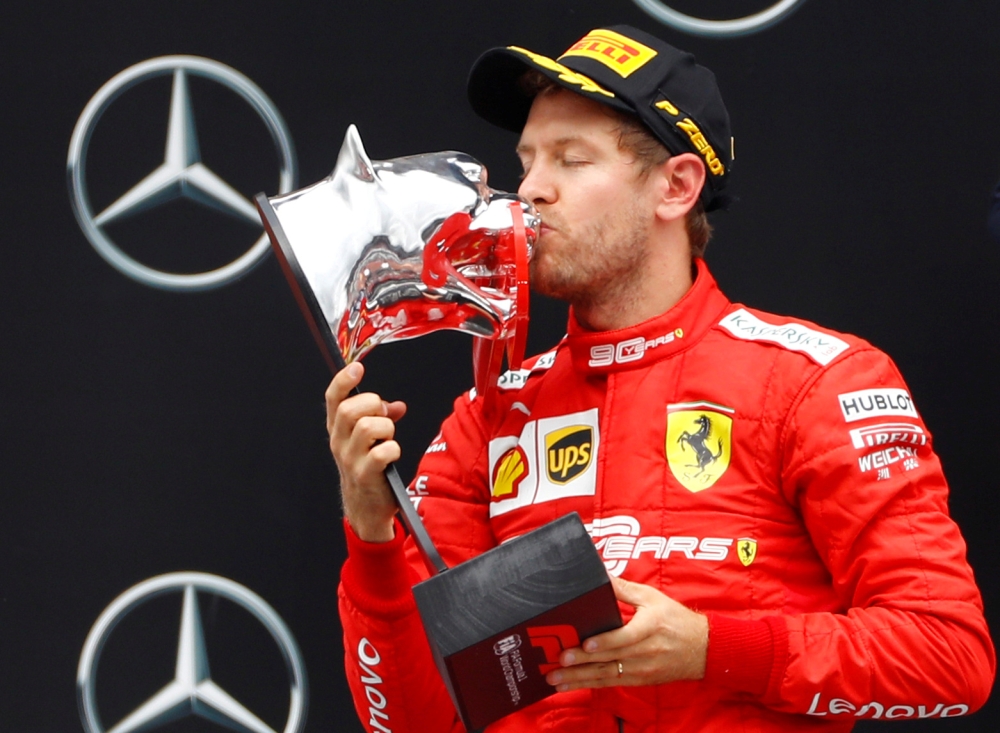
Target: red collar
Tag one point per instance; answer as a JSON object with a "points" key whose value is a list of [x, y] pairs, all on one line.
{"points": [[600, 352]]}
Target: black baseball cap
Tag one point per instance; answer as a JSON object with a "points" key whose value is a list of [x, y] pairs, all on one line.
{"points": [[630, 71]]}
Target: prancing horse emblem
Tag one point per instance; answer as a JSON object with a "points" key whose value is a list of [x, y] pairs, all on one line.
{"points": [[698, 442]]}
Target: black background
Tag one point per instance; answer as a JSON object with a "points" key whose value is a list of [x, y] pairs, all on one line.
{"points": [[144, 431]]}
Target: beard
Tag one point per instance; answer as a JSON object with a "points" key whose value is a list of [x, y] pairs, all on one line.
{"points": [[594, 264]]}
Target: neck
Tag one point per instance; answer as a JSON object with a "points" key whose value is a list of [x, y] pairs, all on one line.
{"points": [[652, 289]]}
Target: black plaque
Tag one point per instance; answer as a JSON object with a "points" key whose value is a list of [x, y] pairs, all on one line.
{"points": [[497, 622]]}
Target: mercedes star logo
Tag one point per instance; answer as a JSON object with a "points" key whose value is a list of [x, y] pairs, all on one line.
{"points": [[192, 691], [182, 174], [735, 27]]}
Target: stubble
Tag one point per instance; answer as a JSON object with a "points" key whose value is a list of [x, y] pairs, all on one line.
{"points": [[597, 266]]}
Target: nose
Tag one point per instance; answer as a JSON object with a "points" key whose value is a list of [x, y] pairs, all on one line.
{"points": [[537, 185]]}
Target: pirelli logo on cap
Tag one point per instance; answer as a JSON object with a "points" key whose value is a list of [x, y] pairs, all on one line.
{"points": [[619, 53]]}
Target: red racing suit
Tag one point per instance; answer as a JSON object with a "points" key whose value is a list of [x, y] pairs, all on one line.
{"points": [[769, 473]]}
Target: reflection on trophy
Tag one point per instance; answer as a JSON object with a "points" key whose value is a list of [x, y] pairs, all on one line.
{"points": [[399, 248], [386, 250]]}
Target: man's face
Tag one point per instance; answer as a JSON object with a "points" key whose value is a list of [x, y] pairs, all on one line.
{"points": [[597, 209]]}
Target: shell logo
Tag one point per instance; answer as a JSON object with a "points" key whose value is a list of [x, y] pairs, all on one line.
{"points": [[508, 473]]}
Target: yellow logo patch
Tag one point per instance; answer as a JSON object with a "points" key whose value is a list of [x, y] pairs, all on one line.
{"points": [[746, 550], [509, 472], [619, 53], [568, 452], [585, 83], [698, 443]]}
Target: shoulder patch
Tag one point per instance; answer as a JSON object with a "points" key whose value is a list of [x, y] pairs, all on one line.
{"points": [[821, 347]]}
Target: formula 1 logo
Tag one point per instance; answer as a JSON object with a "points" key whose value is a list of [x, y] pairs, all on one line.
{"points": [[552, 640]]}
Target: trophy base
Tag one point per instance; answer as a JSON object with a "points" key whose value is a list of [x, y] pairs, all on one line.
{"points": [[497, 623]]}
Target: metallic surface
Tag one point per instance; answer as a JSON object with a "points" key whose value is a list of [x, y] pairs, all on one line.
{"points": [[398, 248], [192, 691], [718, 28], [181, 175]]}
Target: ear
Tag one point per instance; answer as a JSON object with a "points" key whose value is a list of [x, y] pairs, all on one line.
{"points": [[353, 160], [681, 179]]}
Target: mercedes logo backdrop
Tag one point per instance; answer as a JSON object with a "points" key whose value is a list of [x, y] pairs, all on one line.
{"points": [[169, 520]]}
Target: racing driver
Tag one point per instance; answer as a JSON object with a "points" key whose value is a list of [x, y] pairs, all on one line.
{"points": [[763, 491]]}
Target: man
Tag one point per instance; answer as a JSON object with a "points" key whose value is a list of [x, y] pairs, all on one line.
{"points": [[763, 491]]}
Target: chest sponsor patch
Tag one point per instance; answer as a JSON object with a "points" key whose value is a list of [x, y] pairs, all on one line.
{"points": [[880, 402], [508, 473], [821, 347], [552, 458], [568, 452], [699, 443]]}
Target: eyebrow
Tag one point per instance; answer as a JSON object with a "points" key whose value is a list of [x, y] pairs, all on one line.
{"points": [[559, 143]]}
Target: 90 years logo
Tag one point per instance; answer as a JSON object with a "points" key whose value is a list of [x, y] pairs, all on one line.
{"points": [[182, 173], [719, 28]]}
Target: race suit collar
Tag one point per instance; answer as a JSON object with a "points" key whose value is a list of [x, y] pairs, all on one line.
{"points": [[658, 338]]}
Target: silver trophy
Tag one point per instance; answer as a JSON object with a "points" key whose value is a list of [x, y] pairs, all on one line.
{"points": [[393, 249], [386, 250]]}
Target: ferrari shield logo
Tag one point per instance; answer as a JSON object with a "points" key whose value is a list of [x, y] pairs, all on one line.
{"points": [[699, 442], [746, 550]]}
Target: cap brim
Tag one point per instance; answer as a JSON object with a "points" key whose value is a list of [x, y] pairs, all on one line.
{"points": [[496, 95]]}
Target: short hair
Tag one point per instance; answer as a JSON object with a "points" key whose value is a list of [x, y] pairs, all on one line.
{"points": [[634, 137]]}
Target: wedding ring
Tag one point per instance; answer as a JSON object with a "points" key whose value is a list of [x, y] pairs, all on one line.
{"points": [[621, 670]]}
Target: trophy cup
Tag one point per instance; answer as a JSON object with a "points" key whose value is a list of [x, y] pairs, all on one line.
{"points": [[386, 250]]}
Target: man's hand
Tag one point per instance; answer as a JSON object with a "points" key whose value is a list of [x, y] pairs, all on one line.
{"points": [[361, 429], [664, 642]]}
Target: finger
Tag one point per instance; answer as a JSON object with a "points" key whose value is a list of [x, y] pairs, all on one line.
{"points": [[634, 594], [395, 410], [383, 454], [351, 411], [604, 674], [369, 430], [344, 381], [353, 452], [602, 647]]}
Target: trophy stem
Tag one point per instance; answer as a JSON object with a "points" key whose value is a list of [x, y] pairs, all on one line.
{"points": [[335, 360]]}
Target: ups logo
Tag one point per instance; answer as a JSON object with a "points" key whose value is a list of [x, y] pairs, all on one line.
{"points": [[568, 452]]}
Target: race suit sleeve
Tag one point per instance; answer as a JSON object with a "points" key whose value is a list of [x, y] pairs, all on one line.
{"points": [[391, 673], [913, 641]]}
